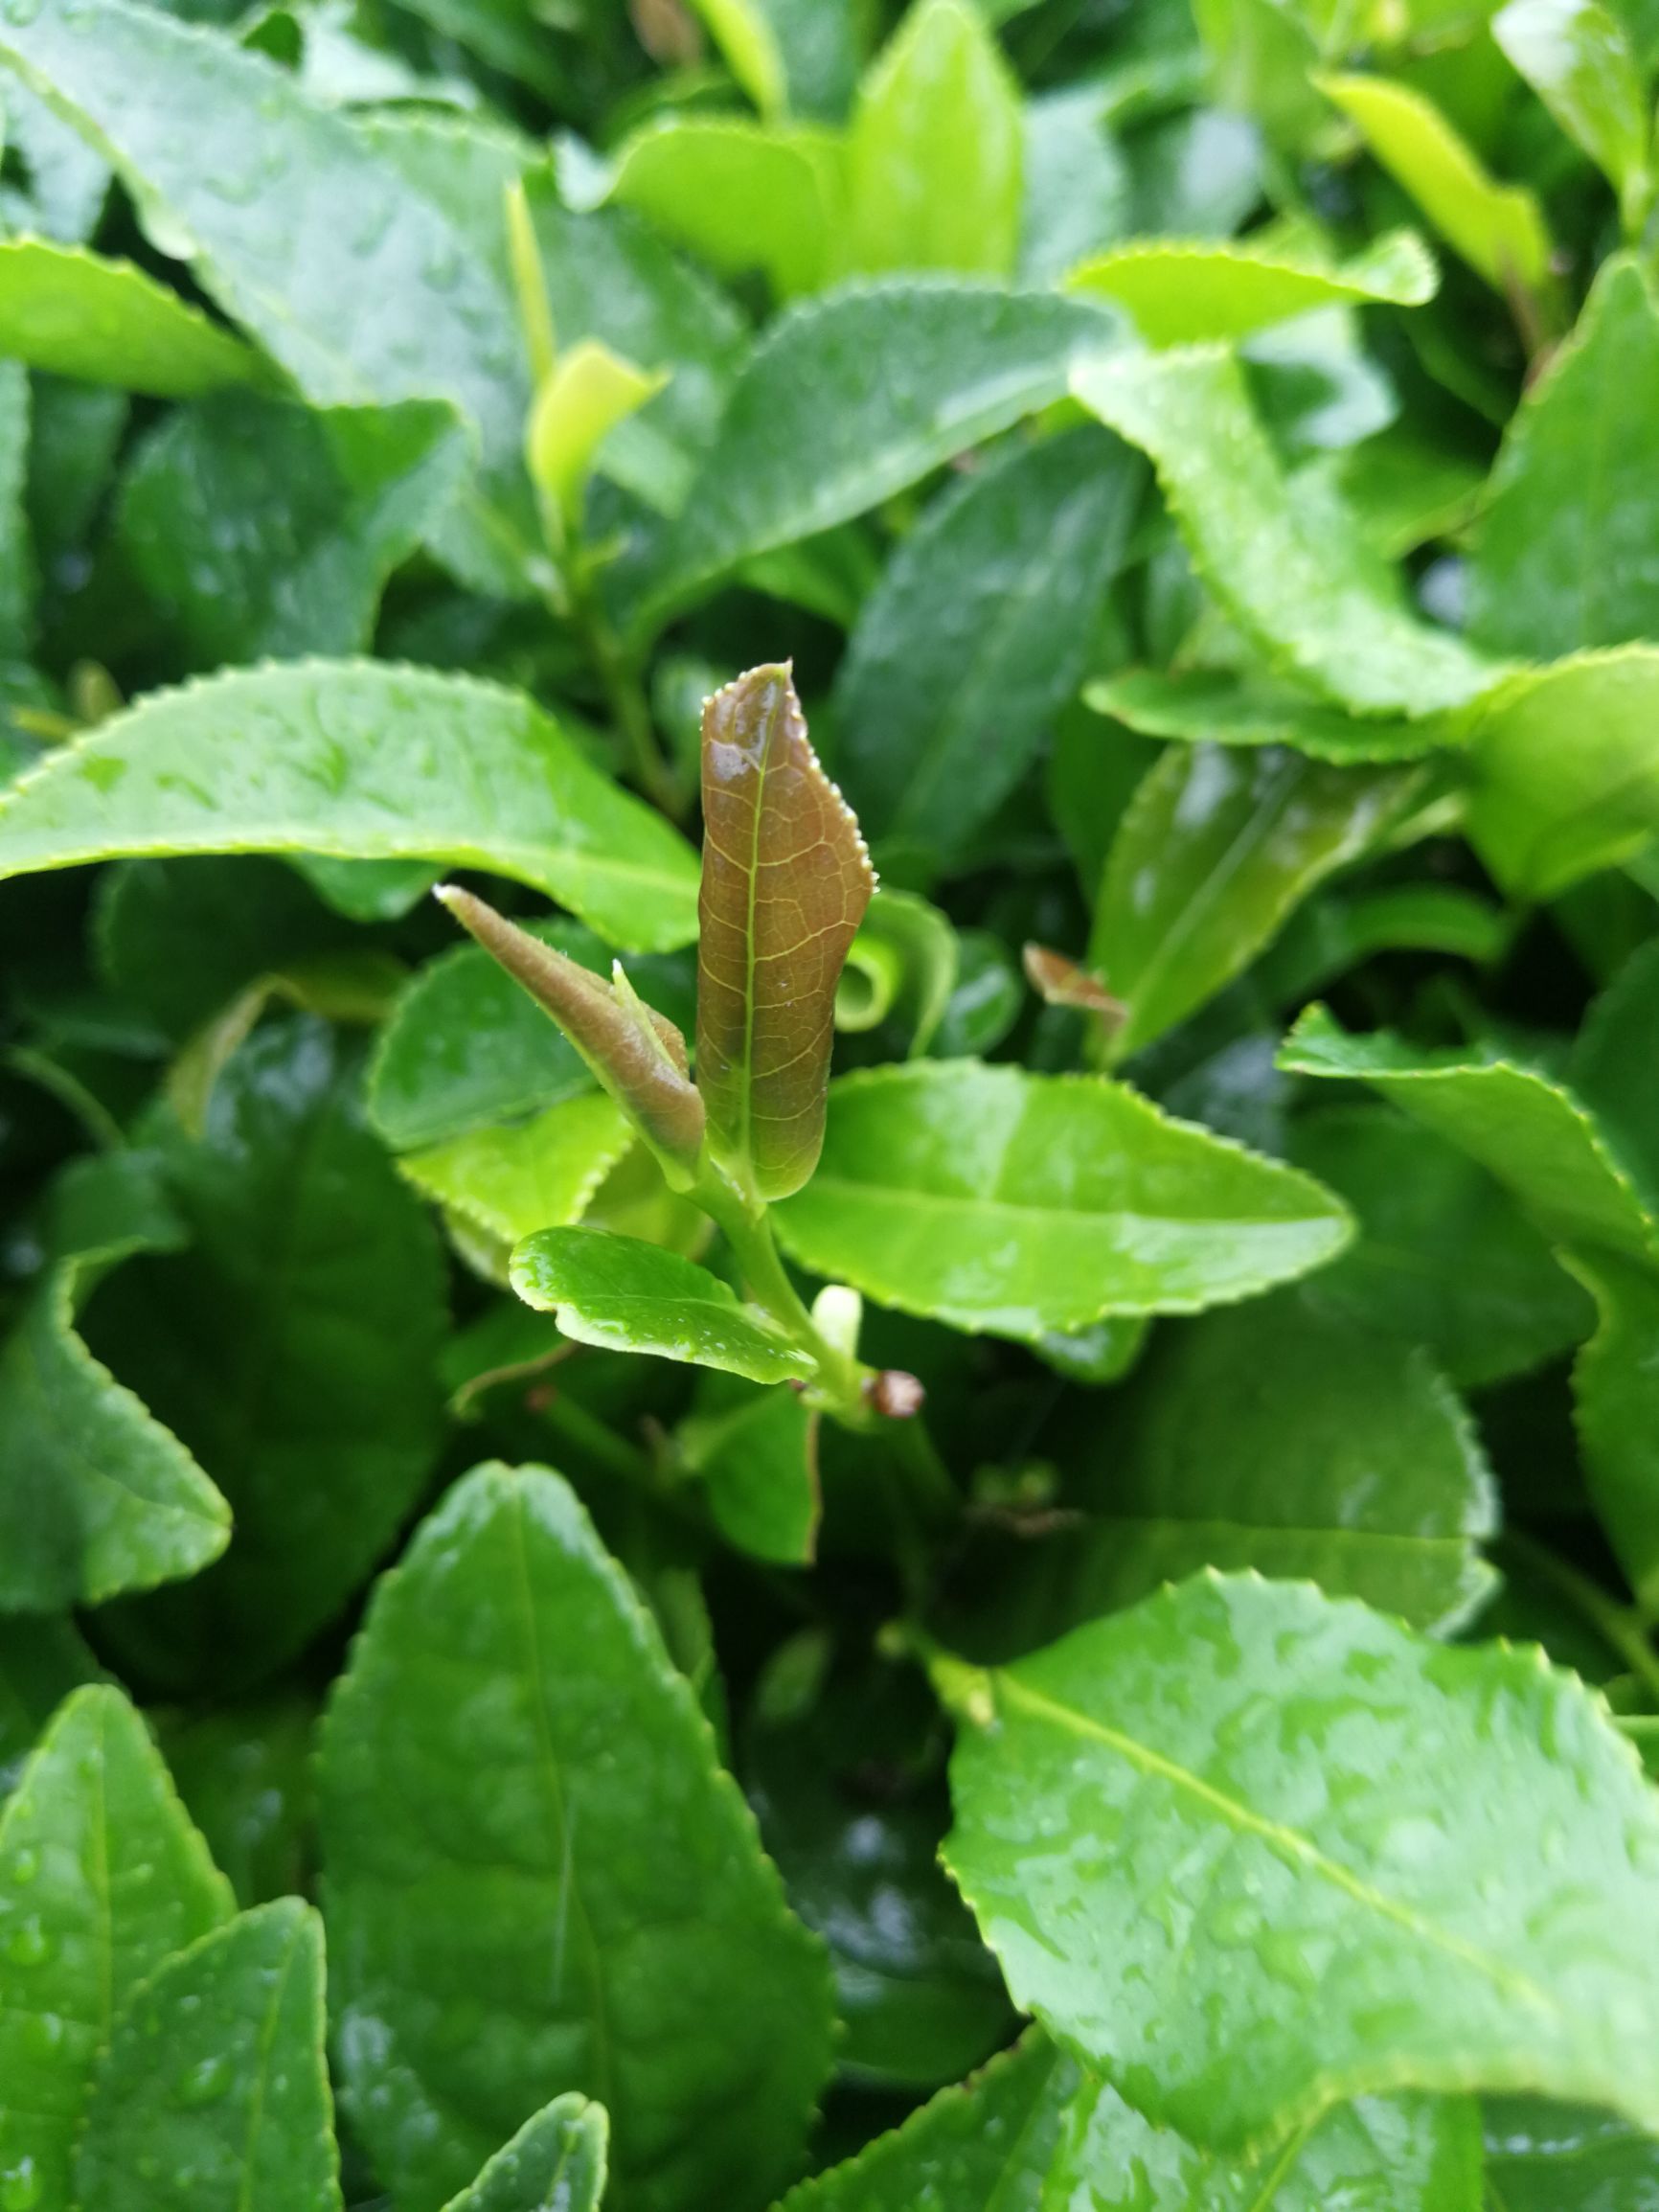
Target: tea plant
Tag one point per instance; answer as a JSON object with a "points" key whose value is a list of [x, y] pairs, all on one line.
{"points": [[923, 1479]]}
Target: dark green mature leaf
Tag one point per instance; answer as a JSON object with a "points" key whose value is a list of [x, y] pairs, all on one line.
{"points": [[96, 1496], [242, 168], [1016, 1203], [1394, 2153], [1577, 56], [1250, 1851], [215, 2090], [358, 760], [1615, 1068], [1566, 550], [17, 579], [1218, 847], [1565, 769], [785, 883], [41, 1661], [244, 1773], [260, 529], [1532, 1133], [1275, 1437], [975, 638], [934, 150], [978, 2148], [1443, 1258], [555, 2163], [626, 1295], [1185, 292], [293, 1345], [567, 1891], [810, 438], [1295, 574], [1207, 706], [102, 1878], [1615, 1395], [1544, 2157], [78, 314]]}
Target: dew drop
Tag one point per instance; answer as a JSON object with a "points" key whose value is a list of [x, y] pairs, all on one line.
{"points": [[28, 1945], [21, 2186], [205, 2082]]}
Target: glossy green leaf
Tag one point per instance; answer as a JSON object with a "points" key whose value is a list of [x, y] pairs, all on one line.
{"points": [[42, 1659], [1529, 1131], [1406, 2154], [216, 2077], [741, 195], [974, 639], [1577, 56], [757, 1458], [1277, 1437], [564, 1892], [96, 1496], [260, 529], [1498, 229], [78, 314], [809, 438], [555, 2163], [1205, 706], [629, 1296], [1443, 1258], [589, 393], [358, 760], [1184, 291], [934, 150], [102, 1880], [1615, 1411], [977, 2148], [904, 966], [292, 1346], [213, 141], [511, 1180], [849, 1794], [1251, 1851], [1545, 2157], [1297, 577], [1215, 849], [785, 883], [744, 32], [1565, 550], [1015, 1203], [1615, 1068]]}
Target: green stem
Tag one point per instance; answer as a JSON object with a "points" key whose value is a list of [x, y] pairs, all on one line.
{"points": [[1619, 1625], [624, 694]]}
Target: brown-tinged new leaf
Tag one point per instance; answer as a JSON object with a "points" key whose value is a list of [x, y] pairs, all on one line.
{"points": [[637, 1055], [785, 883]]}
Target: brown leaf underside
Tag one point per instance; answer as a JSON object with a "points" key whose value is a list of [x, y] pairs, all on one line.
{"points": [[785, 883]]}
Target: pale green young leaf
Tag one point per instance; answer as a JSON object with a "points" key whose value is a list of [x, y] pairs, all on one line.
{"points": [[1566, 552], [902, 966], [555, 2163], [569, 1890], [509, 1181], [215, 2076], [1249, 1851], [1213, 706], [588, 392], [1015, 1203], [1444, 1257], [738, 194], [366, 760], [258, 527], [1218, 847], [1498, 229], [1525, 1129], [1578, 57], [1564, 777], [935, 151], [744, 31], [80, 314], [810, 438], [1184, 291], [102, 1878], [973, 640], [1297, 576], [630, 1296]]}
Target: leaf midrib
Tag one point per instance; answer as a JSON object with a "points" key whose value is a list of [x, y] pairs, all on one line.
{"points": [[1286, 1841]]}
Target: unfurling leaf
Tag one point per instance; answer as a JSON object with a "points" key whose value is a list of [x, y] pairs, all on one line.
{"points": [[587, 394], [638, 1055], [785, 883]]}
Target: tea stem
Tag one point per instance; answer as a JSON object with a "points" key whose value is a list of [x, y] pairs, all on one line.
{"points": [[648, 765], [1620, 1626]]}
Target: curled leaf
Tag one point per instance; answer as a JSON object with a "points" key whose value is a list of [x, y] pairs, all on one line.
{"points": [[785, 883], [637, 1055]]}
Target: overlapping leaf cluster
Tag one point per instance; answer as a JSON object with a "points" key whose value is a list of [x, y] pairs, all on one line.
{"points": [[986, 1531]]}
